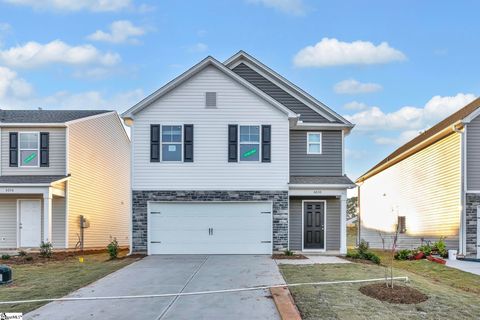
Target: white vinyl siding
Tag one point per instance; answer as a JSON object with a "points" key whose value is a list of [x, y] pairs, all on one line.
{"points": [[210, 169], [425, 188], [99, 187], [57, 160]]}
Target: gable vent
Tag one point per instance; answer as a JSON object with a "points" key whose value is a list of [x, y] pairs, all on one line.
{"points": [[211, 99]]}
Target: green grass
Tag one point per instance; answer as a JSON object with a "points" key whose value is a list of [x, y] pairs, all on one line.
{"points": [[55, 279], [346, 302]]}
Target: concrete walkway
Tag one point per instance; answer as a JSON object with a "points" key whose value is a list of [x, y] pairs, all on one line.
{"points": [[313, 259], [467, 266], [174, 274]]}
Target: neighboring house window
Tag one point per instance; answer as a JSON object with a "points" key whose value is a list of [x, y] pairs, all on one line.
{"points": [[171, 143], [249, 143], [29, 149], [314, 143]]}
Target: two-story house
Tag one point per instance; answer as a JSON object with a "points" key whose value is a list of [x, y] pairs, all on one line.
{"points": [[57, 166], [231, 158]]}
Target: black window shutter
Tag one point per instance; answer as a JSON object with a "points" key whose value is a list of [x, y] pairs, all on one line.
{"points": [[188, 143], [232, 143], [13, 149], [155, 143], [44, 149], [266, 143]]}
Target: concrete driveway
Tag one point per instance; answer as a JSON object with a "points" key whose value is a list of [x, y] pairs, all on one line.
{"points": [[174, 274]]}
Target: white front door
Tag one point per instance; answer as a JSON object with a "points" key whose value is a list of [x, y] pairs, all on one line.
{"points": [[210, 228], [30, 226]]}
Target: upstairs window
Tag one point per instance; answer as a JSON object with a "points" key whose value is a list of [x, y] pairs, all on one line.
{"points": [[29, 149], [314, 143], [249, 143], [172, 143]]}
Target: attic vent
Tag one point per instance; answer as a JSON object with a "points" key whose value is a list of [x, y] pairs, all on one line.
{"points": [[211, 99]]}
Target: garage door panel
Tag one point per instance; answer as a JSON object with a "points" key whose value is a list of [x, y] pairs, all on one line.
{"points": [[210, 228]]}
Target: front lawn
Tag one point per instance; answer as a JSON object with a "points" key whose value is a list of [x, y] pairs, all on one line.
{"points": [[55, 279], [344, 301]]}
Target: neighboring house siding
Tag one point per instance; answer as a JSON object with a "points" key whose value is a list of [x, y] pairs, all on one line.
{"points": [[8, 222], [99, 187], [306, 113], [56, 153], [329, 163], [332, 235], [473, 155], [58, 222], [210, 168], [425, 188]]}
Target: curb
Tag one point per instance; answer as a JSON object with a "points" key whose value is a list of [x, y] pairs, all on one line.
{"points": [[284, 303]]}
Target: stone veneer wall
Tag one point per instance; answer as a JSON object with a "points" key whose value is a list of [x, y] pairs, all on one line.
{"points": [[473, 201], [140, 199]]}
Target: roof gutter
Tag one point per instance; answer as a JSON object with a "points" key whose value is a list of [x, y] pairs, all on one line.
{"points": [[320, 186], [39, 124], [422, 145]]}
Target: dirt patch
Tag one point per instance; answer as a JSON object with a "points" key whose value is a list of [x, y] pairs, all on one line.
{"points": [[293, 257], [398, 294], [35, 258]]}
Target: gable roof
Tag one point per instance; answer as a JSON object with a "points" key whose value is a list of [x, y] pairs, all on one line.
{"points": [[45, 116], [300, 97], [208, 61], [423, 138]]}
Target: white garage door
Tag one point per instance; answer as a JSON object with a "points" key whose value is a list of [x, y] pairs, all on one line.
{"points": [[210, 228]]}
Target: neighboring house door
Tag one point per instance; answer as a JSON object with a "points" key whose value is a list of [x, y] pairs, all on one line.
{"points": [[210, 228], [314, 225], [29, 214]]}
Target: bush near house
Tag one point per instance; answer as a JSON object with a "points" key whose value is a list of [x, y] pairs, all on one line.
{"points": [[362, 252], [424, 251]]}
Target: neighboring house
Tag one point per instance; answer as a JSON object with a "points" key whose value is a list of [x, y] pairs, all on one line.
{"points": [[233, 158], [430, 186], [58, 165]]}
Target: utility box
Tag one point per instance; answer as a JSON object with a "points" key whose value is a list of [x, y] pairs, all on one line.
{"points": [[84, 222], [5, 274]]}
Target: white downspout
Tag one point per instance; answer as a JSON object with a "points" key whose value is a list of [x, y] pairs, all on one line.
{"points": [[462, 232]]}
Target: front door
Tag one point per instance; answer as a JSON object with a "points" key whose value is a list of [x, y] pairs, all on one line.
{"points": [[30, 222], [314, 225]]}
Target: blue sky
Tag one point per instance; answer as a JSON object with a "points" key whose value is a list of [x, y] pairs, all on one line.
{"points": [[393, 68]]}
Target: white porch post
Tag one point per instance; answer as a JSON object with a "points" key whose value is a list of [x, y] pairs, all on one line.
{"points": [[343, 223], [47, 216]]}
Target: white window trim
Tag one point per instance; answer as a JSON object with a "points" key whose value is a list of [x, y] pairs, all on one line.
{"points": [[309, 143], [161, 143], [259, 143], [20, 149]]}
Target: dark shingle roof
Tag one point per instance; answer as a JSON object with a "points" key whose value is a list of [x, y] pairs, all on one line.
{"points": [[30, 179], [320, 180], [445, 123], [45, 116]]}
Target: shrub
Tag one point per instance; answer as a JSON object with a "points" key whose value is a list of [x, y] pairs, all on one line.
{"points": [[426, 249], [372, 257], [363, 247], [404, 254], [288, 253], [22, 253], [113, 248], [363, 253], [5, 256], [46, 249], [441, 248]]}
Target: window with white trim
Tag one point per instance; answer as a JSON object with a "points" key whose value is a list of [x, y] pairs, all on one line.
{"points": [[172, 137], [249, 143], [29, 148], [314, 143]]}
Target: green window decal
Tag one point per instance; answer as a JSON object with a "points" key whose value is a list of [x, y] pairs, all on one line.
{"points": [[250, 152], [30, 158]]}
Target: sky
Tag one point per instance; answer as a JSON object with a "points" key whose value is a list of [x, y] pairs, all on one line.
{"points": [[392, 68]]}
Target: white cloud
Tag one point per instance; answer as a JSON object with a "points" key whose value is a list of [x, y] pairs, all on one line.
{"points": [[198, 47], [332, 52], [355, 105], [34, 54], [408, 117], [120, 32], [352, 86], [11, 85], [404, 137], [294, 7], [74, 5]]}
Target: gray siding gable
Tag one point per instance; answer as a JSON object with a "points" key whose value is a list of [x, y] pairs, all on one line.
{"points": [[307, 114], [473, 154]]}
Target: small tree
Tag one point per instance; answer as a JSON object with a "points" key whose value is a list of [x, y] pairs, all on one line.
{"points": [[113, 248], [389, 269], [46, 249]]}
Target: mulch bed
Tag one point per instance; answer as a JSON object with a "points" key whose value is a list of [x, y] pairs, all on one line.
{"points": [[35, 258], [398, 294], [294, 257]]}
